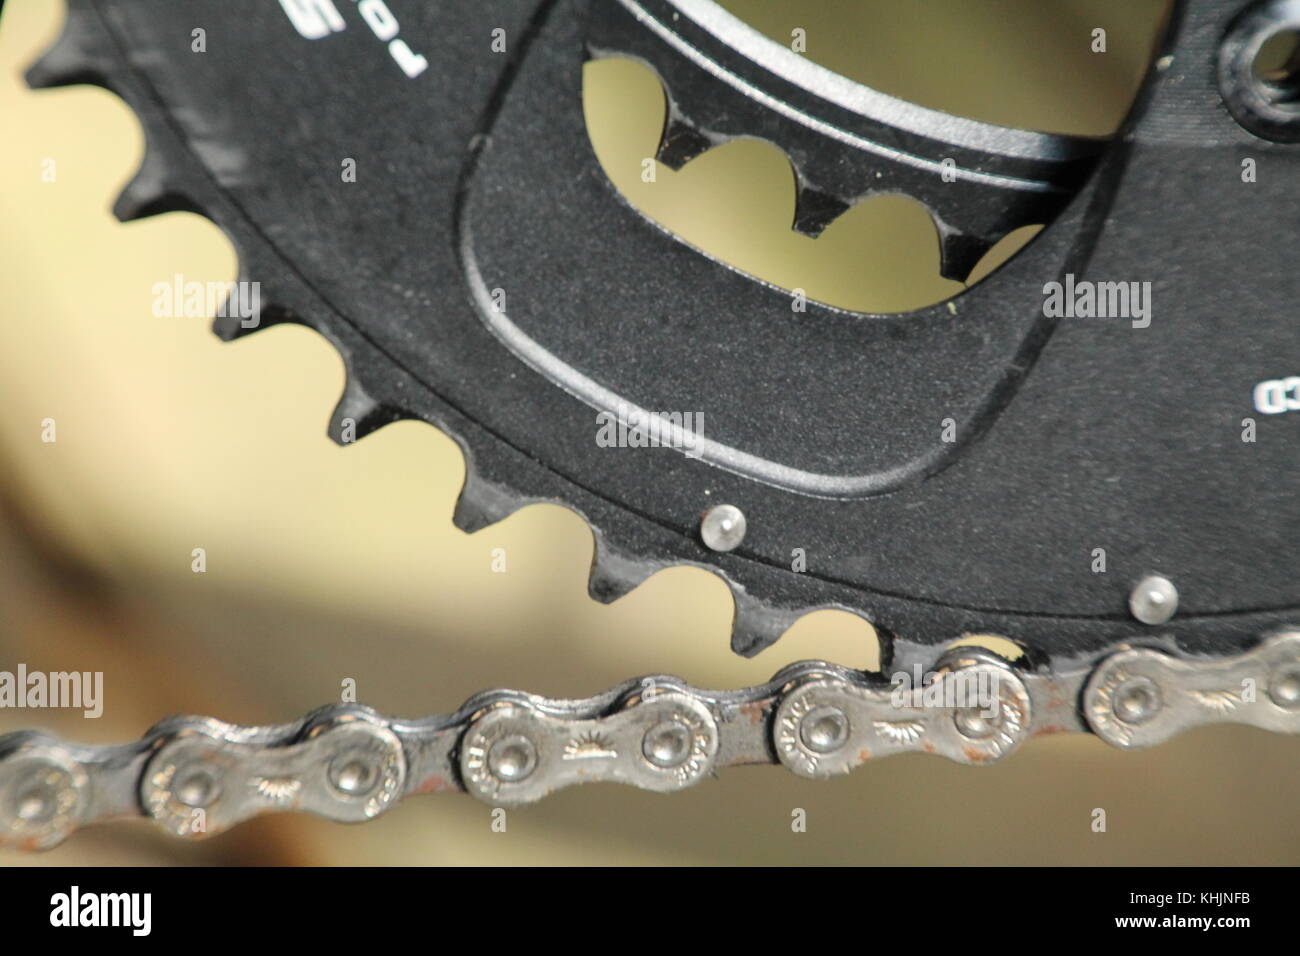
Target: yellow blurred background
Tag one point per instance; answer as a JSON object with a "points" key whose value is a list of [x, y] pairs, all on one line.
{"points": [[325, 563]]}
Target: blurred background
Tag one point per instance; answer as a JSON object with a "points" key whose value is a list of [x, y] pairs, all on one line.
{"points": [[326, 563]]}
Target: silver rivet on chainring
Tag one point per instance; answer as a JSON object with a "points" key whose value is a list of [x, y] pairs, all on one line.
{"points": [[1154, 600], [723, 528]]}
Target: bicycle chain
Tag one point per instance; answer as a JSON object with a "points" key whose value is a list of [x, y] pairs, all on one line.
{"points": [[196, 776]]}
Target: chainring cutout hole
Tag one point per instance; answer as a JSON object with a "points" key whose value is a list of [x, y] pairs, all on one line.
{"points": [[735, 202]]}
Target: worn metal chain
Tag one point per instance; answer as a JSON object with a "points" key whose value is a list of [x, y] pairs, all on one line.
{"points": [[196, 776]]}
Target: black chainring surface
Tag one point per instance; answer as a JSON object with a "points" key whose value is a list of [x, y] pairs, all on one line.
{"points": [[827, 428]]}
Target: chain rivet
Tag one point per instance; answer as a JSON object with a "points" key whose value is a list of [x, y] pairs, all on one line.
{"points": [[1137, 700], [352, 775], [1284, 686], [36, 805], [667, 744], [512, 758], [824, 729], [197, 789], [42, 796], [975, 723]]}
